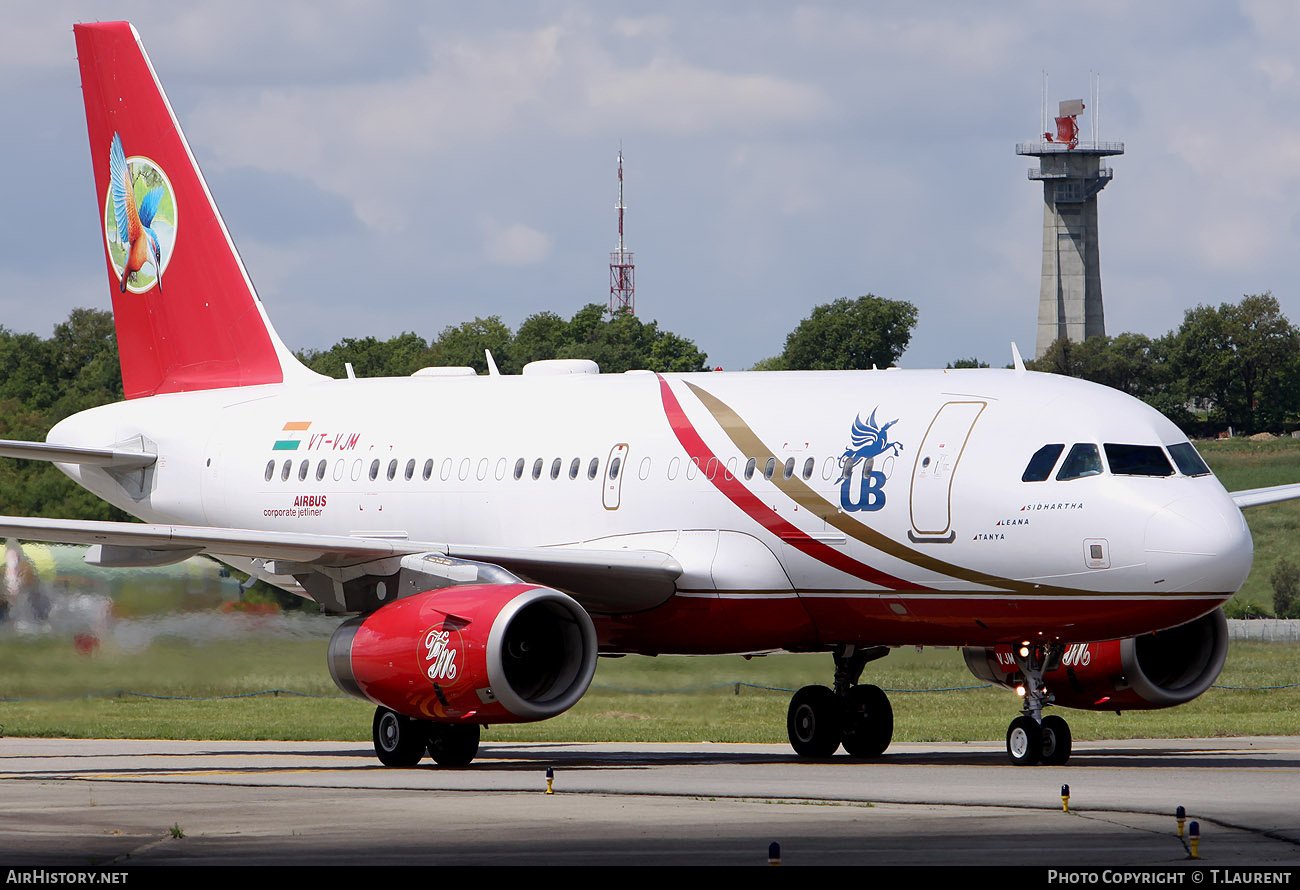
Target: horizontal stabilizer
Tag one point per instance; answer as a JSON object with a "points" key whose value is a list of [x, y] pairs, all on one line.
{"points": [[104, 458]]}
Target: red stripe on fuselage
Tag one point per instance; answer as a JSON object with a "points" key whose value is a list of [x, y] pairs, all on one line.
{"points": [[764, 515]]}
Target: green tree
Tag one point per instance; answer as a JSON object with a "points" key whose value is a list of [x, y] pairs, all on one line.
{"points": [[541, 336], [1285, 580], [85, 357], [967, 363], [869, 331], [463, 345], [44, 382], [1241, 360], [624, 342], [398, 356]]}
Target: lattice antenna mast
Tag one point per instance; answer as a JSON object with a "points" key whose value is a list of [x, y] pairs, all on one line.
{"points": [[622, 270]]}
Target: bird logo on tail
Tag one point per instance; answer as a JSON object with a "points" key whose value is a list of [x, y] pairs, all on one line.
{"points": [[140, 231]]}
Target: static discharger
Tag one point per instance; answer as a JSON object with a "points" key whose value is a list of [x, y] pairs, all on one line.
{"points": [[550, 780], [1065, 798]]}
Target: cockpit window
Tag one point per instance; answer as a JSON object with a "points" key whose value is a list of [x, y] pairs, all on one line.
{"points": [[1040, 465], [1083, 460], [1137, 460], [1188, 461]]}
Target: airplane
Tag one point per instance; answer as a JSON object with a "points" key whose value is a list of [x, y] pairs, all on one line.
{"points": [[486, 537]]}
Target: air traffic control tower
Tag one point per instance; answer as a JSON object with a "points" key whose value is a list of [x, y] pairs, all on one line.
{"points": [[1072, 173]]}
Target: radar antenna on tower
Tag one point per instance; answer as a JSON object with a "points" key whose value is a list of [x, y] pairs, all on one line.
{"points": [[1073, 172], [622, 270]]}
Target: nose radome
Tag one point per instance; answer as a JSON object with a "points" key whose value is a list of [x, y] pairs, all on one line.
{"points": [[1199, 544]]}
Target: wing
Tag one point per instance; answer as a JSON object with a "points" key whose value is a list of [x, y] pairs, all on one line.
{"points": [[128, 220], [864, 433], [149, 206], [601, 580], [1258, 497]]}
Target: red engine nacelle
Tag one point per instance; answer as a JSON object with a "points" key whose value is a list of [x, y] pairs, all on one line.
{"points": [[1141, 673], [492, 653]]}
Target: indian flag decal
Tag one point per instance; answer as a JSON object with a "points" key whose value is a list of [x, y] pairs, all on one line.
{"points": [[292, 431]]}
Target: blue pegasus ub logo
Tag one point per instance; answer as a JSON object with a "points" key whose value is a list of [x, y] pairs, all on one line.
{"points": [[869, 441]]}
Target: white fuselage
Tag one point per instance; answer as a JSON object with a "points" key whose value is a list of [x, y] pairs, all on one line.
{"points": [[932, 538]]}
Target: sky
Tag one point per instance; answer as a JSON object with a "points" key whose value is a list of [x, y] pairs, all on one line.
{"points": [[403, 166]]}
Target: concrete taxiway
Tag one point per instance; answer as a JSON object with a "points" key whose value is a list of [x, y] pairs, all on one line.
{"points": [[81, 802]]}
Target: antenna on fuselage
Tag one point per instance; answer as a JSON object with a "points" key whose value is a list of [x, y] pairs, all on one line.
{"points": [[1016, 361], [491, 363]]}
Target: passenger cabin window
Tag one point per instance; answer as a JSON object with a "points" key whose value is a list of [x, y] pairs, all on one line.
{"points": [[285, 470], [374, 470], [613, 467], [392, 469], [270, 469], [1040, 465], [1083, 460], [428, 469], [574, 467], [1138, 460], [320, 471], [749, 468], [593, 468], [555, 468], [769, 468], [410, 469], [537, 468], [808, 468], [1188, 460], [519, 468]]}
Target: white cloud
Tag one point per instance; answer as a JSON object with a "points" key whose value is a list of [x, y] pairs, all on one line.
{"points": [[513, 244], [671, 96]]}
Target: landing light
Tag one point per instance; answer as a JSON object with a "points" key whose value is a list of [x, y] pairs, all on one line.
{"points": [[1020, 690]]}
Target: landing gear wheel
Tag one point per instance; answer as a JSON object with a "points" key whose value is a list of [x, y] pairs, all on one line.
{"points": [[399, 740], [1024, 741], [453, 744], [868, 722], [1057, 741], [814, 722]]}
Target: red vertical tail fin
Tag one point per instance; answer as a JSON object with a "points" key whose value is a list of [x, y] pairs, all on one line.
{"points": [[186, 312]]}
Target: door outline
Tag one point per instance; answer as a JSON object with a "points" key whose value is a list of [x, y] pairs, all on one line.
{"points": [[612, 487], [950, 432]]}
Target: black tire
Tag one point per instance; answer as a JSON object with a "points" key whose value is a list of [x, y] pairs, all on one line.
{"points": [[399, 740], [1057, 741], [453, 744], [1024, 741], [868, 722], [814, 722]]}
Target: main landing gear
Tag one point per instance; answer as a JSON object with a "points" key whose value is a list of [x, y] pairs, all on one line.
{"points": [[403, 741], [1031, 737], [855, 716]]}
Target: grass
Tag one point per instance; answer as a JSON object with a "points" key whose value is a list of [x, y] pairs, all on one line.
{"points": [[666, 699], [1241, 464]]}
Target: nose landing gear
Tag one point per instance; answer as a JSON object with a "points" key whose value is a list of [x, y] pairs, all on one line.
{"points": [[1031, 737], [857, 716]]}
